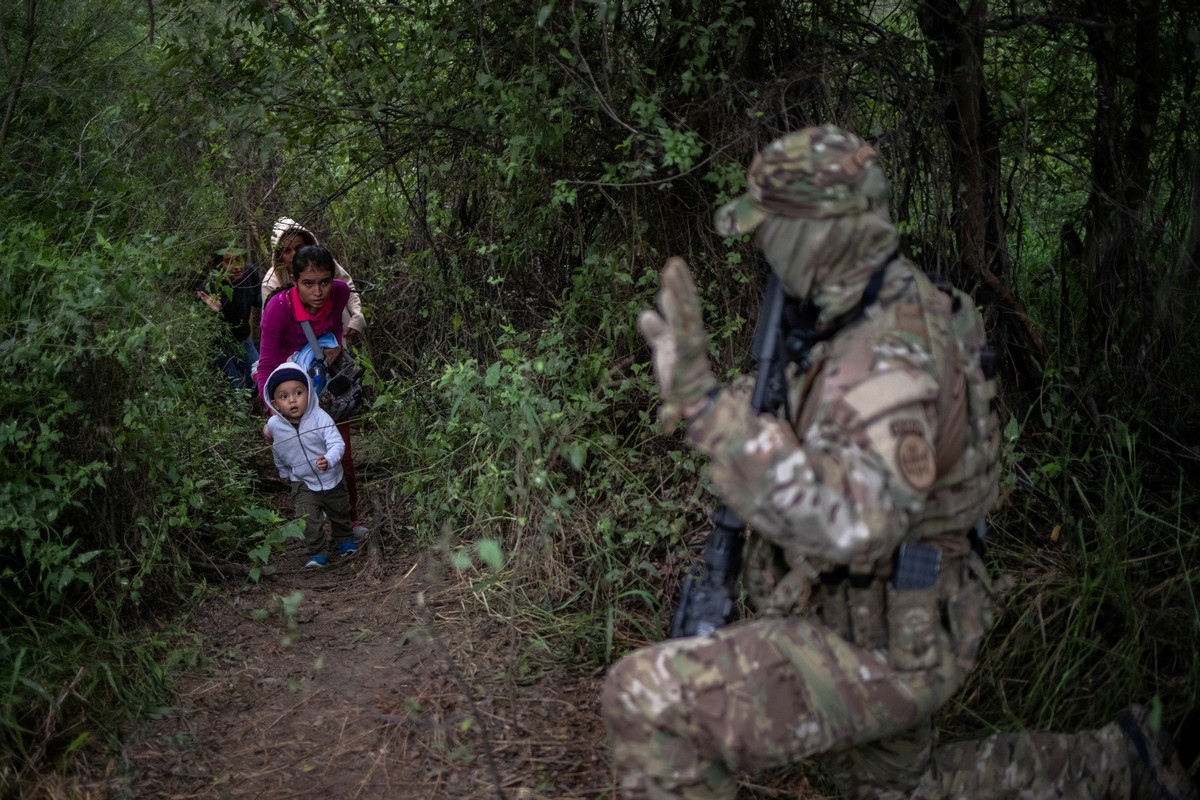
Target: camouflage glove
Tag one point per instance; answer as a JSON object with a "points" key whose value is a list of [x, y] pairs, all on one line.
{"points": [[679, 343]]}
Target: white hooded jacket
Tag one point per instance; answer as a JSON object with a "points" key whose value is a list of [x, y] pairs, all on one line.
{"points": [[296, 447]]}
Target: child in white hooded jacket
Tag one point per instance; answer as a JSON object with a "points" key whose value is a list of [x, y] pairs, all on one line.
{"points": [[308, 453]]}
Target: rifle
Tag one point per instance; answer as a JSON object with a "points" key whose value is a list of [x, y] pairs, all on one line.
{"points": [[706, 600]]}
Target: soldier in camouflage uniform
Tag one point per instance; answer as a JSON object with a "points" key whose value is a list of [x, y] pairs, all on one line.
{"points": [[888, 440]]}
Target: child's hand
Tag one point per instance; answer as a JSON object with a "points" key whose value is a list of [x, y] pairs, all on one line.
{"points": [[322, 463], [267, 432]]}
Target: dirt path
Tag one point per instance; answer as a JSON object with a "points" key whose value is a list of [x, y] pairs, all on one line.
{"points": [[379, 676], [381, 682]]}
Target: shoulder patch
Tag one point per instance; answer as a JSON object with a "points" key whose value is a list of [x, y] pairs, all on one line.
{"points": [[914, 457]]}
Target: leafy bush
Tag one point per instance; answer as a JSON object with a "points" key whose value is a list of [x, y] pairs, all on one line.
{"points": [[549, 448], [120, 458]]}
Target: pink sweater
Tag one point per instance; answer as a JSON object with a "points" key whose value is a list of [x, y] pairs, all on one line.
{"points": [[281, 332]]}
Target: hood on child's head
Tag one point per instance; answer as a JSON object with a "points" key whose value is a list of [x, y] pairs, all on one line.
{"points": [[285, 226], [289, 371]]}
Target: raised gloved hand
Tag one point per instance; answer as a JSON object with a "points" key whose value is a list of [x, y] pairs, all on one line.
{"points": [[675, 333]]}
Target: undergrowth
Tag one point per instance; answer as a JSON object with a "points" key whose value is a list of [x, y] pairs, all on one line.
{"points": [[121, 460], [1097, 531], [549, 449]]}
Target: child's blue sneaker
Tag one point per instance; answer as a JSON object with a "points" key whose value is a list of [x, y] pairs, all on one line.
{"points": [[316, 561], [346, 548]]}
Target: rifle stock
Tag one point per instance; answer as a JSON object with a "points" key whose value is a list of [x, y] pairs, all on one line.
{"points": [[707, 599]]}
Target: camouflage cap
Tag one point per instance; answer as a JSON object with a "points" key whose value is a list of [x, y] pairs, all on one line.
{"points": [[814, 173]]}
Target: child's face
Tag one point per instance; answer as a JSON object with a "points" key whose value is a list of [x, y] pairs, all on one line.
{"points": [[291, 400], [287, 249]]}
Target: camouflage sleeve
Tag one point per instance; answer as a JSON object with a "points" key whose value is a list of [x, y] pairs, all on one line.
{"points": [[846, 492]]}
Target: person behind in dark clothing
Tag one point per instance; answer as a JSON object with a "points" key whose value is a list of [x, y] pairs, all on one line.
{"points": [[233, 289]]}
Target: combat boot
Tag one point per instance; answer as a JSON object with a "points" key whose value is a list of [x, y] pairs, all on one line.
{"points": [[1157, 771]]}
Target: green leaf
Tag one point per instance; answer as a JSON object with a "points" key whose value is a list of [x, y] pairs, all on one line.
{"points": [[492, 378], [490, 553], [576, 453]]}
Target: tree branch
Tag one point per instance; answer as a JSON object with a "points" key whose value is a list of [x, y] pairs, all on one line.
{"points": [[18, 83]]}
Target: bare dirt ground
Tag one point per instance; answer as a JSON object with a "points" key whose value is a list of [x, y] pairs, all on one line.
{"points": [[381, 682], [379, 676]]}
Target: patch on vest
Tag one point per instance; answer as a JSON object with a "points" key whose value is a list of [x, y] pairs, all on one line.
{"points": [[900, 427], [914, 457]]}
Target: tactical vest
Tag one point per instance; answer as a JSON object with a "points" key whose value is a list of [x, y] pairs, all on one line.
{"points": [[968, 431], [965, 448]]}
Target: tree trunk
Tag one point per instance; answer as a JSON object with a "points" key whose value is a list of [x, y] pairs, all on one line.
{"points": [[955, 41], [14, 91], [1125, 45]]}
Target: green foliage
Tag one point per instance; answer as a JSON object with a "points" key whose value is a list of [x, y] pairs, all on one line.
{"points": [[58, 674], [118, 458], [95, 132], [1107, 559], [105, 448], [544, 450], [270, 536]]}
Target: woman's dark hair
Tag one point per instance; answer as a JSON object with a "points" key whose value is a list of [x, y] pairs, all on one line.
{"points": [[312, 255]]}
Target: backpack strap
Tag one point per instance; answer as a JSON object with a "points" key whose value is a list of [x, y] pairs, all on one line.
{"points": [[321, 376], [318, 351]]}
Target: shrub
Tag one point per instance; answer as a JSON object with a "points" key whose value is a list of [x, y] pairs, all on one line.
{"points": [[120, 457]]}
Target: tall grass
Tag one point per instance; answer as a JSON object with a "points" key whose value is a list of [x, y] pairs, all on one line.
{"points": [[1106, 566]]}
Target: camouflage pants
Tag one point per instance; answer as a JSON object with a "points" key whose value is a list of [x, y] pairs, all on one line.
{"points": [[685, 715]]}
